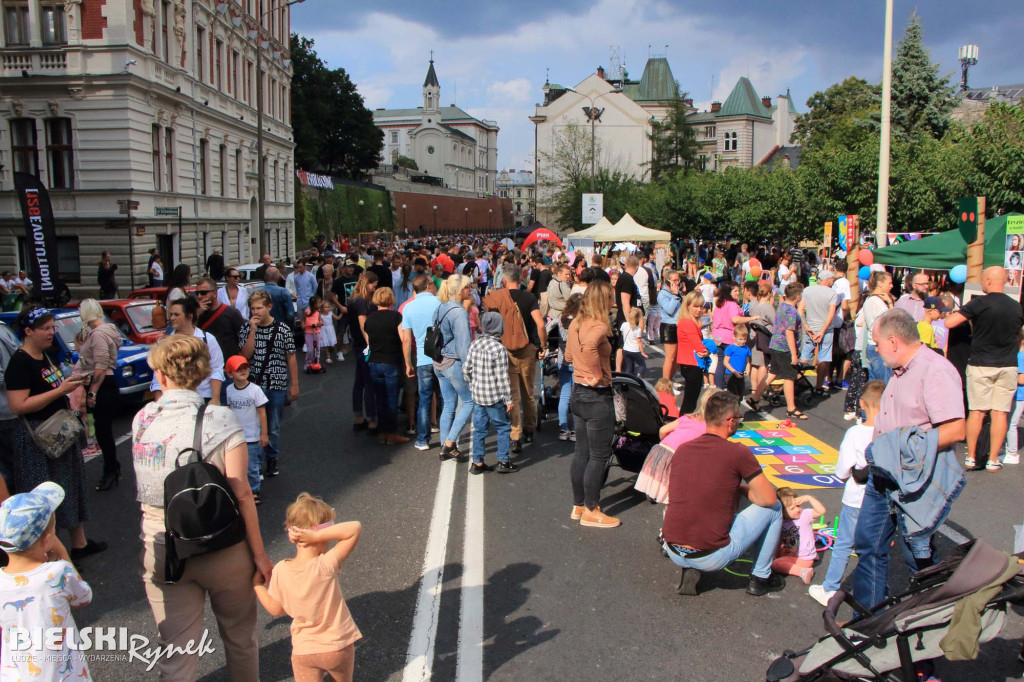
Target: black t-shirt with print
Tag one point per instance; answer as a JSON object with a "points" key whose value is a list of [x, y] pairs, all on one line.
{"points": [[268, 366], [625, 285], [38, 376]]}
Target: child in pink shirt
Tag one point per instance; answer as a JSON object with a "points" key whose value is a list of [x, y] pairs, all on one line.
{"points": [[307, 589], [796, 546]]}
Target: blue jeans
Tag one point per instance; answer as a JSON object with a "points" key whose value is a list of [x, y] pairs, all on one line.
{"points": [[385, 391], [362, 390], [275, 408], [842, 547], [483, 416], [564, 392], [876, 527], [876, 367], [426, 382], [752, 525], [255, 455], [720, 368], [453, 389]]}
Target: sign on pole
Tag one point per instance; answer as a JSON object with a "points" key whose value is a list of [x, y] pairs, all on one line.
{"points": [[593, 208], [167, 211]]}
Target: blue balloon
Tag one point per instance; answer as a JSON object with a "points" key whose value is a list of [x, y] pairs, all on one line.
{"points": [[958, 274], [864, 272]]}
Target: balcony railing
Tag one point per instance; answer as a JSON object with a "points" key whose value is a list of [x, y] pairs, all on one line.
{"points": [[38, 61]]}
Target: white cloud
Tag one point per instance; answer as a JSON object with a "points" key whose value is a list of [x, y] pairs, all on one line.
{"points": [[516, 91]]}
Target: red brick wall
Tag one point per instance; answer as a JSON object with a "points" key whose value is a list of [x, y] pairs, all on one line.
{"points": [[140, 35], [93, 21], [451, 213]]}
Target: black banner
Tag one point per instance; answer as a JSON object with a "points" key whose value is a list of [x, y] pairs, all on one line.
{"points": [[41, 236]]}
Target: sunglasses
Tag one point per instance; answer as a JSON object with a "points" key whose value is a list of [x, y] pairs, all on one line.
{"points": [[204, 292], [231, 276]]}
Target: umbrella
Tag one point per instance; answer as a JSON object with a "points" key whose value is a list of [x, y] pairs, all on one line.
{"points": [[507, 243], [542, 234]]}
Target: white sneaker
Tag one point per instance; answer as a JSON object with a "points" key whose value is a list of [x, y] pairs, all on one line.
{"points": [[563, 435], [341, 358], [819, 594], [572, 436], [849, 416], [1011, 459]]}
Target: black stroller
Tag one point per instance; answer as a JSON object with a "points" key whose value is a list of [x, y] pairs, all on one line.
{"points": [[638, 418], [885, 642], [804, 391]]}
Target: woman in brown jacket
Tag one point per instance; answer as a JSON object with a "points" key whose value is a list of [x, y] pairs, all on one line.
{"points": [[588, 349]]}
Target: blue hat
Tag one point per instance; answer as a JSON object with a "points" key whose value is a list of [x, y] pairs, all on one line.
{"points": [[24, 517], [935, 303]]}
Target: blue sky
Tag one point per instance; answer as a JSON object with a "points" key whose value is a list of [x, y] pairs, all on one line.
{"points": [[491, 57]]}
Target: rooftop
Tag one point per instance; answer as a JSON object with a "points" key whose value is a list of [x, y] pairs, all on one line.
{"points": [[743, 101], [995, 93], [449, 114]]}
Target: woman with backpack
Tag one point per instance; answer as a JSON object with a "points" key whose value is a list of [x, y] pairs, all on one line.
{"points": [[452, 321], [161, 432]]}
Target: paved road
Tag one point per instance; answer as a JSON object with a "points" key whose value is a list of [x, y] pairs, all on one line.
{"points": [[471, 578]]}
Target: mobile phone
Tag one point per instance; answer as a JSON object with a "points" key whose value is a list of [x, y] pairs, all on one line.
{"points": [[87, 377]]}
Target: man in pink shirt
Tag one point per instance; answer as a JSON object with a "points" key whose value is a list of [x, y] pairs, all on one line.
{"points": [[924, 391]]}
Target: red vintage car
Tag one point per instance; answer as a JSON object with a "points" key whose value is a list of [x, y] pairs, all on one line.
{"points": [[134, 317], [156, 293]]}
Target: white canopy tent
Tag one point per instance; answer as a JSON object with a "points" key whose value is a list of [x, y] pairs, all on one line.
{"points": [[597, 228], [626, 230]]}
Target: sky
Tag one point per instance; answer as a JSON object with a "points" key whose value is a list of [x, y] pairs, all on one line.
{"points": [[492, 57]]}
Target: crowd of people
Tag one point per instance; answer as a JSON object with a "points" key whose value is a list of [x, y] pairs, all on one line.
{"points": [[456, 332]]}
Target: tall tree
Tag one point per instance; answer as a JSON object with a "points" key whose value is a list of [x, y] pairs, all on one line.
{"points": [[334, 131], [673, 142], [921, 99], [997, 147], [841, 115]]}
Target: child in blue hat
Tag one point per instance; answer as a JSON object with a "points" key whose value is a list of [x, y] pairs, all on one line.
{"points": [[38, 588]]}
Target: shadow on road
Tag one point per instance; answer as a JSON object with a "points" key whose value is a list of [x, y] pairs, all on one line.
{"points": [[504, 594]]}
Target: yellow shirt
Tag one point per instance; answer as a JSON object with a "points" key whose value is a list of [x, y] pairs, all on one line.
{"points": [[927, 334]]}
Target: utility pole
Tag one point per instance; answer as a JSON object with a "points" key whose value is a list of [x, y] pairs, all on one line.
{"points": [[882, 217]]}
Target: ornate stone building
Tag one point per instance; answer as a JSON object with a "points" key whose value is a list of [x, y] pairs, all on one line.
{"points": [[152, 101]]}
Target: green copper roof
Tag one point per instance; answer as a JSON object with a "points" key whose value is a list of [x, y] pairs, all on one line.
{"points": [[657, 82], [743, 101], [792, 106]]}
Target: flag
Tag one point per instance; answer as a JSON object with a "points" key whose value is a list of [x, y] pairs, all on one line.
{"points": [[41, 237]]}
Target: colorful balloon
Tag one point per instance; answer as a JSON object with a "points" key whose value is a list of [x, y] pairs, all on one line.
{"points": [[864, 272], [866, 257], [755, 268], [958, 274]]}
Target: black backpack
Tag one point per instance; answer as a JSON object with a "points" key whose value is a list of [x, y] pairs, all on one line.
{"points": [[433, 341], [201, 513]]}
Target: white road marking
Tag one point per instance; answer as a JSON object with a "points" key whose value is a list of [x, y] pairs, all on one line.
{"points": [[470, 667], [955, 536], [420, 655], [123, 438]]}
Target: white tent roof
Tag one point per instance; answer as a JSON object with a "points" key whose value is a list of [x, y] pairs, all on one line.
{"points": [[597, 228], [628, 229]]}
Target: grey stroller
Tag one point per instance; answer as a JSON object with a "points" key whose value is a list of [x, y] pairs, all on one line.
{"points": [[885, 642]]}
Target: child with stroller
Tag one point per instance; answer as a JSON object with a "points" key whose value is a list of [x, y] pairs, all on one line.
{"points": [[634, 359], [736, 359], [853, 468], [307, 589], [796, 545], [312, 324]]}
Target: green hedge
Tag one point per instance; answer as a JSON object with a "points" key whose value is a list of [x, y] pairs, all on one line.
{"points": [[320, 211]]}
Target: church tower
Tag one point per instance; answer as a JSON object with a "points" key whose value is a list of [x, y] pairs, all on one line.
{"points": [[431, 94]]}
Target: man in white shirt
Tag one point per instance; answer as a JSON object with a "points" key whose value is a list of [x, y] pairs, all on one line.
{"points": [[640, 278], [841, 286], [22, 284]]}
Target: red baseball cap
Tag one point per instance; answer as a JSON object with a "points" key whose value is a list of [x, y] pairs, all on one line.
{"points": [[233, 363]]}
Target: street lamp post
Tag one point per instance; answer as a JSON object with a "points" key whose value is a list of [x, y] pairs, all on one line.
{"points": [[261, 181], [405, 226], [435, 220], [593, 114], [490, 220], [467, 220], [882, 215], [379, 223]]}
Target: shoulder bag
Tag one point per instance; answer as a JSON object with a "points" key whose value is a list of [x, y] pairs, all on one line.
{"points": [[58, 432]]}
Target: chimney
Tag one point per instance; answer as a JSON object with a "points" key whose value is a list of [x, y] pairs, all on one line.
{"points": [[716, 107], [600, 72], [766, 102], [688, 102], [511, 170]]}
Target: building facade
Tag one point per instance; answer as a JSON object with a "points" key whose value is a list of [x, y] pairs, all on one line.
{"points": [[153, 101], [521, 188], [444, 141]]}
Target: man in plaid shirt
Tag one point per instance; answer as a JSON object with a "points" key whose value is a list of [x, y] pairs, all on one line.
{"points": [[486, 372]]}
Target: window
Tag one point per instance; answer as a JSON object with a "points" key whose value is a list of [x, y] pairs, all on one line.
{"points": [[204, 148], [218, 51], [234, 75], [200, 39], [68, 263], [23, 146], [275, 180], [519, 194], [169, 157], [165, 26], [54, 25], [248, 81], [238, 173], [156, 158], [16, 23], [273, 97], [223, 160], [59, 155]]}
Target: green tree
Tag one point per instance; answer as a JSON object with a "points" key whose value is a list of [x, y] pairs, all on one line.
{"points": [[921, 99], [334, 131], [406, 162], [997, 155], [841, 115], [673, 142]]}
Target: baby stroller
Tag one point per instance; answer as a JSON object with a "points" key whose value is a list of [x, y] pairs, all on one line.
{"points": [[638, 418], [547, 393], [885, 642], [804, 392]]}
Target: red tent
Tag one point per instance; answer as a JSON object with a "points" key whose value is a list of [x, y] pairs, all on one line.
{"points": [[541, 234]]}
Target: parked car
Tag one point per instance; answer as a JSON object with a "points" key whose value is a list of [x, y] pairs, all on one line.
{"points": [[247, 272], [134, 318], [156, 293], [132, 372]]}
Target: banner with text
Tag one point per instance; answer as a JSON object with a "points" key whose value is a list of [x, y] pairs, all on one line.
{"points": [[40, 235], [593, 208]]}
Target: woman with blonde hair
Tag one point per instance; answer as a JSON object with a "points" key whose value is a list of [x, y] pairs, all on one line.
{"points": [[588, 349], [452, 321], [360, 305], [160, 431], [690, 346], [97, 355]]}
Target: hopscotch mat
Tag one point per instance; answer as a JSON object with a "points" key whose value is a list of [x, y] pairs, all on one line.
{"points": [[789, 456]]}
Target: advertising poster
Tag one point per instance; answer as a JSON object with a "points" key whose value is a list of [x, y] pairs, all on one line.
{"points": [[1014, 263], [593, 208]]}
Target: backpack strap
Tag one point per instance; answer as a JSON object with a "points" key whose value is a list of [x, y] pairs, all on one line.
{"points": [[197, 439]]}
